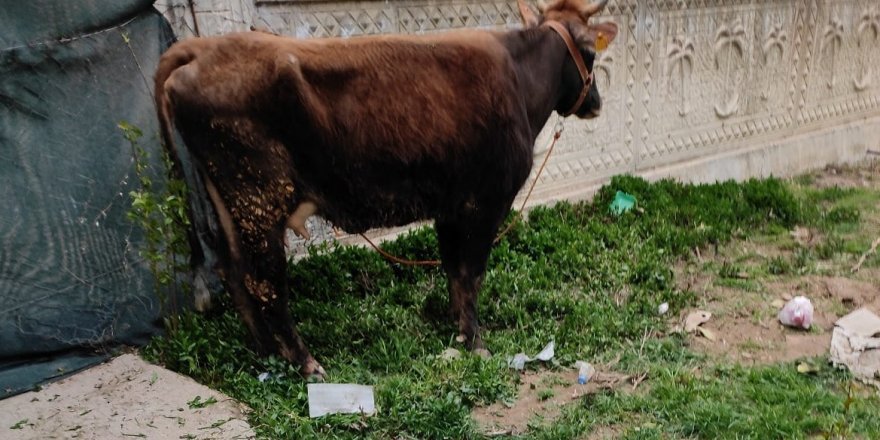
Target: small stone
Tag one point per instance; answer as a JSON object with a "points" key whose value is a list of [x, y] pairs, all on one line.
{"points": [[449, 354]]}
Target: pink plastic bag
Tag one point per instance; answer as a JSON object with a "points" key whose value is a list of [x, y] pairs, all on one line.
{"points": [[797, 313]]}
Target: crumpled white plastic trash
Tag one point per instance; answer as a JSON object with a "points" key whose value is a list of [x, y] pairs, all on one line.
{"points": [[518, 362], [798, 312]]}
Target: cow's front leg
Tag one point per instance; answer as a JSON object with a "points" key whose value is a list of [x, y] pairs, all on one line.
{"points": [[464, 251], [463, 290]]}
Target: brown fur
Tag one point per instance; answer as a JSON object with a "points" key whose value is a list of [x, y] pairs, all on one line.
{"points": [[372, 132]]}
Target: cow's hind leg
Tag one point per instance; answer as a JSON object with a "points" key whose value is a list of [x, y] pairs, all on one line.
{"points": [[256, 276], [269, 286], [464, 251]]}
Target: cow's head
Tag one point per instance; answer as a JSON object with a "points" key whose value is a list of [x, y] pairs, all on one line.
{"points": [[590, 39]]}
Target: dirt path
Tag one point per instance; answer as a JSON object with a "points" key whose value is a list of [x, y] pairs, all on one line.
{"points": [[124, 398]]}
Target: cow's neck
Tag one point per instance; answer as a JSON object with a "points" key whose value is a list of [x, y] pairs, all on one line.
{"points": [[540, 56]]}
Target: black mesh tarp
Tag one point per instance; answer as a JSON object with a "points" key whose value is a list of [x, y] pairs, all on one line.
{"points": [[72, 282]]}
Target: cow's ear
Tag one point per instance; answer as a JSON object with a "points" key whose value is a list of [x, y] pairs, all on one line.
{"points": [[602, 34], [528, 13]]}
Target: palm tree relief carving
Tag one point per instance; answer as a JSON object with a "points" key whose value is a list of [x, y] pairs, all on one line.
{"points": [[832, 41], [681, 67], [729, 50], [776, 39], [868, 34]]}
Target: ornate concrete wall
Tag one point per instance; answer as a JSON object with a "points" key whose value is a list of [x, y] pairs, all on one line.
{"points": [[698, 89]]}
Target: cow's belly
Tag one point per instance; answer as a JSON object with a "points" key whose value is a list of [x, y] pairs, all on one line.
{"points": [[365, 195], [375, 206]]}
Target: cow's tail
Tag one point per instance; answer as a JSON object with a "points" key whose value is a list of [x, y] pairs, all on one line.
{"points": [[173, 59]]}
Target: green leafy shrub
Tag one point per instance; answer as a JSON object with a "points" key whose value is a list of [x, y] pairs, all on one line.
{"points": [[159, 208]]}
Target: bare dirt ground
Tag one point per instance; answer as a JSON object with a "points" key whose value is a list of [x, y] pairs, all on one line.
{"points": [[864, 175], [748, 329], [124, 398], [541, 396], [745, 314]]}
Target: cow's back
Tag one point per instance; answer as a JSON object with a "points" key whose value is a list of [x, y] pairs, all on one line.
{"points": [[418, 95]]}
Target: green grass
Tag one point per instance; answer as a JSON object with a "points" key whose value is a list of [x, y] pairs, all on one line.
{"points": [[728, 402], [574, 274]]}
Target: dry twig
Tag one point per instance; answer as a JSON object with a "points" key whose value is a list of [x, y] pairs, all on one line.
{"points": [[865, 255], [636, 380]]}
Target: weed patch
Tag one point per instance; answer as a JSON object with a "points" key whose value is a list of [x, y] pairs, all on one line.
{"points": [[158, 207]]}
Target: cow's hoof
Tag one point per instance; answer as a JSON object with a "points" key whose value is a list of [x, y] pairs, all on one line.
{"points": [[483, 353], [314, 372]]}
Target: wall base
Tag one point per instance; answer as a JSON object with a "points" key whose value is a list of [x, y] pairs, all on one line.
{"points": [[782, 157]]}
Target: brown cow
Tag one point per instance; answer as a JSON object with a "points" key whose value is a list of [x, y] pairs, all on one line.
{"points": [[371, 132]]}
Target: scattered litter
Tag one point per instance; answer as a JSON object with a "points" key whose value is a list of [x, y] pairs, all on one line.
{"points": [[335, 398], [663, 309], [708, 334], [264, 376], [547, 352], [798, 312], [855, 343], [450, 353], [693, 322], [778, 303], [585, 371], [694, 319], [518, 362], [622, 202]]}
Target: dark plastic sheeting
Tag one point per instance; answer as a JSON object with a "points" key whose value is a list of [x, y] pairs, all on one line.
{"points": [[72, 282], [23, 22]]}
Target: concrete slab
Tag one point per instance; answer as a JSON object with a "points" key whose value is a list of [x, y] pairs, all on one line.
{"points": [[124, 398]]}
